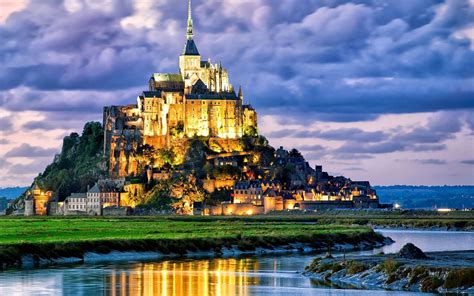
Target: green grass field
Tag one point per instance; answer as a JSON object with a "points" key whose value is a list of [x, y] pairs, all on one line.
{"points": [[50, 237], [414, 219], [59, 230]]}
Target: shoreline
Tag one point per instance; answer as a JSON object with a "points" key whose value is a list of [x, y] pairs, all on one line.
{"points": [[36, 255], [441, 272], [410, 228]]}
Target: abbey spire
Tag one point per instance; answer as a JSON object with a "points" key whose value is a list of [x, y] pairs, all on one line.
{"points": [[190, 48], [189, 34]]}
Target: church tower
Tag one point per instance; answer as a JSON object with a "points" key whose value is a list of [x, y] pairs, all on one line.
{"points": [[190, 59]]}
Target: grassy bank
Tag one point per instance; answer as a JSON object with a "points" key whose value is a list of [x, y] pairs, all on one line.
{"points": [[50, 238], [412, 219]]}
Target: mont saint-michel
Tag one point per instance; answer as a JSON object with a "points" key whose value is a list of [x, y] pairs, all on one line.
{"points": [[198, 101], [190, 145], [236, 147]]}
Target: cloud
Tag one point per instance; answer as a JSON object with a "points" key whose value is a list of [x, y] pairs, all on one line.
{"points": [[26, 150], [355, 169], [342, 134], [50, 125], [72, 104], [345, 63], [4, 141], [432, 161], [4, 163], [441, 127], [6, 123], [333, 61], [351, 156], [379, 148], [311, 148], [468, 161], [27, 169], [11, 6]]}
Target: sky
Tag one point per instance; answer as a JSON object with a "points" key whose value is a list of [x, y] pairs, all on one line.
{"points": [[378, 90]]}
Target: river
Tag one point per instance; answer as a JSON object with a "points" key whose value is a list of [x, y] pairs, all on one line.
{"points": [[267, 275]]}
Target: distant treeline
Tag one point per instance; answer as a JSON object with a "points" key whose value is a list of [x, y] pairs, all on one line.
{"points": [[428, 197]]}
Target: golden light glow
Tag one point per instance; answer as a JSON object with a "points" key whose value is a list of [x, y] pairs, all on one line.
{"points": [[249, 212], [203, 277], [444, 210]]}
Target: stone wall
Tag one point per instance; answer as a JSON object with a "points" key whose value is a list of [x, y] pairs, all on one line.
{"points": [[29, 207], [116, 211], [242, 209], [210, 185]]}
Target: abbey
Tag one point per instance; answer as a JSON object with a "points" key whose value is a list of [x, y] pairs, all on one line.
{"points": [[199, 101]]}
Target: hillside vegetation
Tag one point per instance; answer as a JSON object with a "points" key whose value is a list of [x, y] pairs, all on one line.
{"points": [[79, 165]]}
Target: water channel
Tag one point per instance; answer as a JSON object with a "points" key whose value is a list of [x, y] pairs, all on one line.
{"points": [[267, 275]]}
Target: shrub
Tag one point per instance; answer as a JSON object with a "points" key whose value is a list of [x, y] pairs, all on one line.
{"points": [[336, 267], [417, 273], [356, 267], [390, 265], [460, 224], [457, 278], [324, 267], [391, 278], [431, 283], [405, 272], [361, 221], [314, 264]]}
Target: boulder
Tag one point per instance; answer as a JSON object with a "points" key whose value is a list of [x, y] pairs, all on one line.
{"points": [[410, 251]]}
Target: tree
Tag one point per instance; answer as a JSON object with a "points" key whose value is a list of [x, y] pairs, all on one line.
{"points": [[185, 192], [295, 153], [251, 131], [79, 165], [178, 130], [166, 156], [159, 197]]}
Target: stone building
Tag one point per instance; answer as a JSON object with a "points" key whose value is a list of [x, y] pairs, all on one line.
{"points": [[248, 192], [76, 203], [37, 201], [100, 196], [197, 101]]}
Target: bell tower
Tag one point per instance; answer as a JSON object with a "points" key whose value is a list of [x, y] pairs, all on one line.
{"points": [[190, 59]]}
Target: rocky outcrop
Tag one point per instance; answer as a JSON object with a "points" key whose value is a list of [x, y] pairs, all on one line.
{"points": [[410, 251], [439, 272]]}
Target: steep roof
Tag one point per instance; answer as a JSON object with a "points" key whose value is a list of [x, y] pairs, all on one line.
{"points": [[77, 195], [152, 94], [190, 48], [94, 189], [164, 77], [213, 96]]}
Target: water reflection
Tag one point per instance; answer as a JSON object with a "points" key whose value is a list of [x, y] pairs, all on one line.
{"points": [[268, 275], [274, 275], [202, 277]]}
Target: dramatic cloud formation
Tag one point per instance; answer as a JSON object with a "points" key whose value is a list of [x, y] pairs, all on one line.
{"points": [[26, 150], [432, 161], [364, 81]]}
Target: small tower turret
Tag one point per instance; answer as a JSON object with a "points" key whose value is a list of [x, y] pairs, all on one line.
{"points": [[241, 93]]}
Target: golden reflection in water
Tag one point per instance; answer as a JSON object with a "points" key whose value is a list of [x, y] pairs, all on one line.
{"points": [[202, 277]]}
